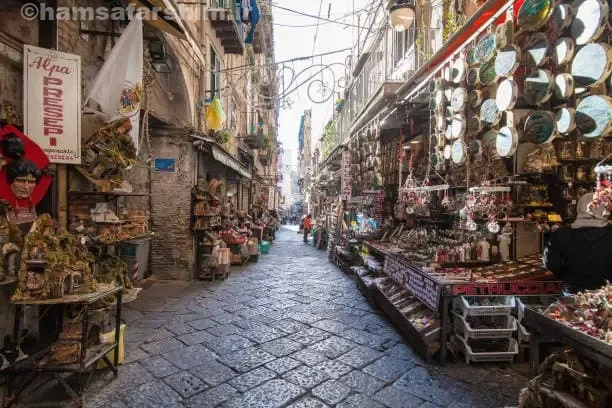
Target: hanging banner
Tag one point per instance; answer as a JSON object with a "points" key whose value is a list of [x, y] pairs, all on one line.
{"points": [[52, 103], [346, 175]]}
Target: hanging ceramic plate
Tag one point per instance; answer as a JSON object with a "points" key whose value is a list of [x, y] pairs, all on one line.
{"points": [[487, 73], [538, 86], [507, 60], [458, 99], [448, 94], [594, 115], [458, 125], [560, 19], [507, 94], [592, 64], [472, 77], [475, 98], [563, 51], [535, 50], [489, 141], [534, 14], [440, 98], [448, 132], [565, 120], [471, 57], [458, 71], [489, 114], [475, 148], [589, 21], [447, 152], [485, 49], [540, 126], [446, 74], [440, 122], [459, 152], [564, 86], [475, 125], [434, 159], [506, 142]]}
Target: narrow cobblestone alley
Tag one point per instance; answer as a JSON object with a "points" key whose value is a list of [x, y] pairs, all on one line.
{"points": [[289, 331]]}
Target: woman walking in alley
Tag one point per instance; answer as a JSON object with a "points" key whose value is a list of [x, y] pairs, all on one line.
{"points": [[307, 226]]}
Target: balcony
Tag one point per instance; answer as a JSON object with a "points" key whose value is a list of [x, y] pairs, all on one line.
{"points": [[224, 17], [255, 140]]}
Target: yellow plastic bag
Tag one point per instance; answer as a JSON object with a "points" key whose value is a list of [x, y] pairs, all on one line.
{"points": [[215, 115]]}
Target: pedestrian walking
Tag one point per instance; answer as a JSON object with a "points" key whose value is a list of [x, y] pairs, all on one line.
{"points": [[307, 226]]}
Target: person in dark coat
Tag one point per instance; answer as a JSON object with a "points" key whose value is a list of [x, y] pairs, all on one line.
{"points": [[579, 254]]}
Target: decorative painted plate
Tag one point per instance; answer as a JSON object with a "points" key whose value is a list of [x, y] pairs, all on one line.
{"points": [[459, 151], [592, 64], [475, 125], [594, 115], [560, 19], [448, 132], [590, 20], [475, 148], [534, 14], [475, 98], [486, 73], [565, 120], [490, 115], [506, 142], [458, 99], [507, 60], [564, 86], [538, 86], [535, 50], [507, 94], [458, 71], [447, 152], [489, 141], [434, 158], [540, 126], [471, 57], [563, 51], [440, 98], [472, 77], [458, 125], [446, 74], [485, 49]]}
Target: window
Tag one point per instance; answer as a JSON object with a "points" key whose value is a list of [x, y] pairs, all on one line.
{"points": [[215, 74]]}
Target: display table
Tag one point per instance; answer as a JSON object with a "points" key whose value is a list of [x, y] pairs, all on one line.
{"points": [[40, 363]]}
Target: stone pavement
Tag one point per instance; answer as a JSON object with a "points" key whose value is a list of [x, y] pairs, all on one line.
{"points": [[289, 331]]}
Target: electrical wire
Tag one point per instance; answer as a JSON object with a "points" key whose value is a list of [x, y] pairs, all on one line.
{"points": [[317, 17], [314, 43], [289, 60]]}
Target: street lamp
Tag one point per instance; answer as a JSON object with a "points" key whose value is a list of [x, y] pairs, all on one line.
{"points": [[401, 14]]}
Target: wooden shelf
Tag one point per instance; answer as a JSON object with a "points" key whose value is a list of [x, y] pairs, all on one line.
{"points": [[104, 290], [92, 355]]}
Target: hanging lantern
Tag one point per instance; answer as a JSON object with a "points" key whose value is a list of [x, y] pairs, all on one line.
{"points": [[402, 14]]}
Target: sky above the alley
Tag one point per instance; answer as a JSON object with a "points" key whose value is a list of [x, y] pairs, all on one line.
{"points": [[294, 36]]}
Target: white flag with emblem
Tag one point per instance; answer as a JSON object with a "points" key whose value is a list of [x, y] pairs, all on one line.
{"points": [[118, 86]]}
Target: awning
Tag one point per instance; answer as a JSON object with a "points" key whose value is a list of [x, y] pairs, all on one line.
{"points": [[164, 22], [227, 160]]}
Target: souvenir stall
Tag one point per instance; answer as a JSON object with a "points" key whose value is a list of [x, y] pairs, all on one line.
{"points": [[52, 269], [520, 119]]}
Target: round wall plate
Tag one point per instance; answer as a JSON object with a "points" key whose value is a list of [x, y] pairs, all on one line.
{"points": [[538, 86], [563, 51], [540, 126], [590, 20], [471, 57], [507, 60], [472, 77], [485, 49], [490, 115], [458, 71], [487, 73], [592, 64], [447, 152], [459, 152], [506, 142], [535, 50], [446, 74], [564, 86], [594, 115], [565, 120], [475, 148], [507, 94], [448, 132], [534, 14], [458, 99], [560, 19], [440, 97], [458, 125], [434, 159], [475, 125], [489, 141], [475, 98]]}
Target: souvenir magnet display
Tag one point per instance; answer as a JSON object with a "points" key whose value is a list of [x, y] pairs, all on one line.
{"points": [[486, 73], [535, 50], [534, 14], [475, 98], [538, 86], [472, 77], [563, 51], [458, 99], [507, 60], [490, 115], [458, 71], [540, 126], [565, 120], [594, 115], [506, 142], [485, 49], [592, 64], [564, 86], [590, 20], [507, 94], [458, 153], [458, 125]]}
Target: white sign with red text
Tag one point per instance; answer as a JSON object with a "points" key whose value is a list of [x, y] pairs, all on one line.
{"points": [[52, 103], [346, 175]]}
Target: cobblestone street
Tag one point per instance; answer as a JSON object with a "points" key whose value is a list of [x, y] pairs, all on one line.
{"points": [[289, 331]]}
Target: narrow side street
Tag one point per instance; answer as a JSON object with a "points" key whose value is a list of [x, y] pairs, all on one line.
{"points": [[289, 331]]}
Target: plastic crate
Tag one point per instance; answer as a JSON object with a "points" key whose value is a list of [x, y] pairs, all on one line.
{"points": [[462, 307], [523, 335], [490, 357], [463, 328]]}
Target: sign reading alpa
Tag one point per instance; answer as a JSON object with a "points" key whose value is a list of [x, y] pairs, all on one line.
{"points": [[52, 103]]}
